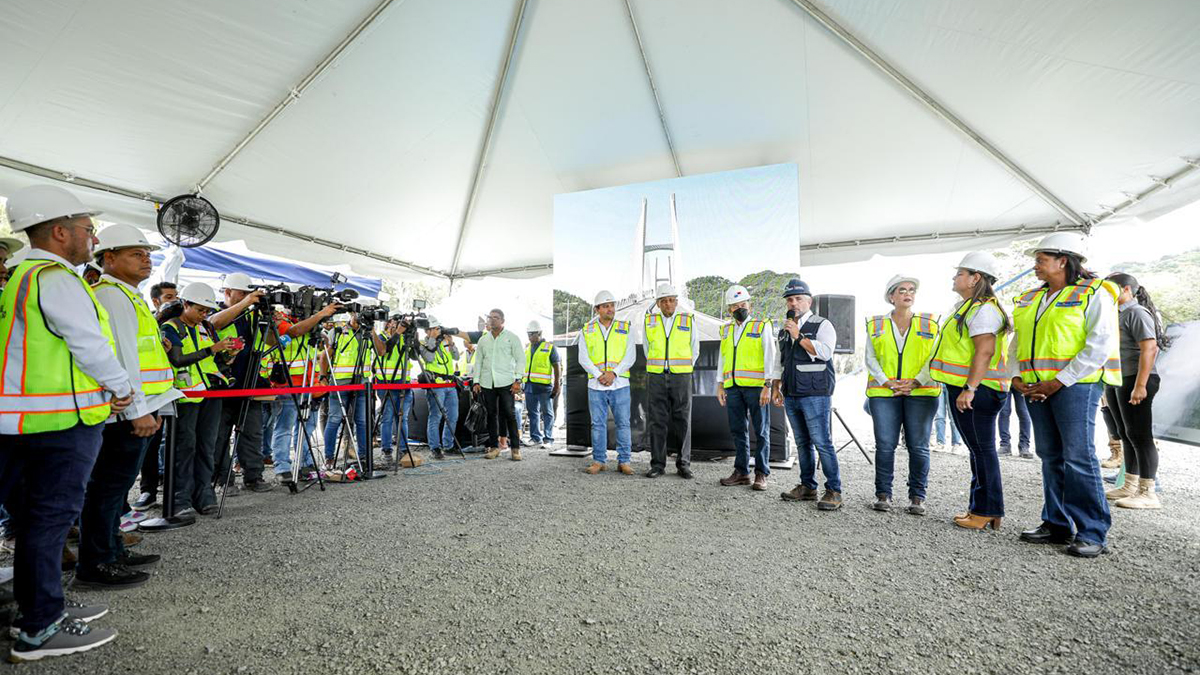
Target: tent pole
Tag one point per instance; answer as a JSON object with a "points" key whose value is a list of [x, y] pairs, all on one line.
{"points": [[293, 94], [662, 116], [488, 132], [908, 85], [1191, 164]]}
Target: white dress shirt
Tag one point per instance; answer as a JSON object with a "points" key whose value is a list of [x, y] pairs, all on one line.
{"points": [[69, 312], [667, 324], [123, 320], [1097, 320], [623, 366], [771, 363], [901, 337]]}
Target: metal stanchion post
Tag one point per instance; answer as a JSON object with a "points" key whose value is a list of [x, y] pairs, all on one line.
{"points": [[169, 520]]}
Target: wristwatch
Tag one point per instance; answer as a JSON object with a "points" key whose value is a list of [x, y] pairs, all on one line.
{"points": [[972, 389]]}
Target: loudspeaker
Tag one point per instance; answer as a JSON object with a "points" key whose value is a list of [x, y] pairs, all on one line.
{"points": [[839, 309]]}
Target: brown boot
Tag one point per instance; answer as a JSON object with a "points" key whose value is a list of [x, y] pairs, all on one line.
{"points": [[68, 559], [736, 478], [132, 539], [625, 469], [800, 494], [595, 468], [516, 454], [977, 522], [1116, 451], [492, 453], [830, 501], [1128, 489], [760, 482]]}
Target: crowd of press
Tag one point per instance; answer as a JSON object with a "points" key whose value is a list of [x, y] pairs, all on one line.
{"points": [[90, 371]]}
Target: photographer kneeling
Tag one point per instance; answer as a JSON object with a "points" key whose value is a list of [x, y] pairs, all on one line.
{"points": [[343, 364], [439, 354]]}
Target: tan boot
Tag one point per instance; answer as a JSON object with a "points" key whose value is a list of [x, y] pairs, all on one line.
{"points": [[1117, 451], [1129, 489], [1144, 499], [516, 454], [595, 468], [492, 453], [625, 469]]}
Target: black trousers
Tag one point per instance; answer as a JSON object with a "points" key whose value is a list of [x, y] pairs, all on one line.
{"points": [[150, 475], [195, 447], [502, 417], [669, 422], [114, 473], [250, 441], [1135, 426]]}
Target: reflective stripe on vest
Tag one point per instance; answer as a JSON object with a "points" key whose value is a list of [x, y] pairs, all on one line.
{"points": [[538, 369], [443, 363], [196, 376], [663, 353], [41, 388], [951, 362], [906, 364], [606, 351], [744, 363], [1046, 344], [156, 372]]}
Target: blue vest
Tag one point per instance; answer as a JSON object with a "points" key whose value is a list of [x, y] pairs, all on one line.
{"points": [[802, 374]]}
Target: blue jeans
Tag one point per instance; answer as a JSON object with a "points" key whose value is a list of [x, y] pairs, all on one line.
{"points": [[810, 420], [978, 427], [287, 423], [599, 404], [888, 415], [449, 400], [1064, 429], [48, 474], [387, 429], [334, 421], [740, 402], [541, 412], [940, 419], [1017, 401], [270, 415]]}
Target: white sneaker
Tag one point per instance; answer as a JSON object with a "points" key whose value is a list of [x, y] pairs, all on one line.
{"points": [[136, 516], [128, 525]]}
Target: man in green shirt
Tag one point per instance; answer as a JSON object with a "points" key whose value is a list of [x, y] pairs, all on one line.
{"points": [[499, 367]]}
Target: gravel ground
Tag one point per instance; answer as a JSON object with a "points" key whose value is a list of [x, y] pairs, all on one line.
{"points": [[497, 566]]}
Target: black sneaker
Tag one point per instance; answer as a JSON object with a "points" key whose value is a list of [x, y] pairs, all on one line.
{"points": [[259, 486], [137, 561], [112, 576], [75, 611], [145, 501], [65, 637]]}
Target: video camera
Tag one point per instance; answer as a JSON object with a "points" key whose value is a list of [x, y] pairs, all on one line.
{"points": [[304, 301]]}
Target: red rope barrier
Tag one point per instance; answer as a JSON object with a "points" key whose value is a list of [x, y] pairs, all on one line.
{"points": [[274, 391]]}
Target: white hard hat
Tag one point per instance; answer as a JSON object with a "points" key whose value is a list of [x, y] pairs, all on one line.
{"points": [[1061, 242], [119, 235], [665, 290], [533, 327], [896, 281], [433, 322], [12, 244], [982, 262], [17, 258], [736, 294], [41, 203], [603, 298], [236, 281], [199, 293]]}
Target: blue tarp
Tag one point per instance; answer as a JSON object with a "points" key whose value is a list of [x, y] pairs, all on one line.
{"points": [[224, 262]]}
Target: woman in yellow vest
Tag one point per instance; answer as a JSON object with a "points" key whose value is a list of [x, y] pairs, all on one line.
{"points": [[969, 360], [900, 392], [1065, 350]]}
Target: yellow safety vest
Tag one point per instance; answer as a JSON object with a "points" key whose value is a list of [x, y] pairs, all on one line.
{"points": [[156, 371], [41, 388], [743, 362], [537, 364], [1047, 344], [390, 366], [442, 364], [294, 357], [200, 376], [661, 352], [903, 364], [606, 352], [345, 358], [466, 362], [951, 362]]}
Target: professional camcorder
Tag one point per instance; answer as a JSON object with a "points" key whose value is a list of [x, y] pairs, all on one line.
{"points": [[304, 301]]}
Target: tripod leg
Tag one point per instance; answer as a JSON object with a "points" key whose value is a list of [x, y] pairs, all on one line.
{"points": [[853, 437], [237, 432]]}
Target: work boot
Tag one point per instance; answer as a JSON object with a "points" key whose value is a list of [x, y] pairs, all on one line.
{"points": [[595, 468], [736, 478], [1129, 489], [131, 539], [883, 502], [760, 482], [800, 493], [830, 501], [1116, 451], [68, 559], [492, 453], [1144, 499], [516, 454], [916, 506], [625, 468]]}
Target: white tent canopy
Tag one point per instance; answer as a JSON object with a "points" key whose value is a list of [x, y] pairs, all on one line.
{"points": [[435, 133]]}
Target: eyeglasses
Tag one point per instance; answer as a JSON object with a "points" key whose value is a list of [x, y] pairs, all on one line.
{"points": [[90, 229], [906, 291]]}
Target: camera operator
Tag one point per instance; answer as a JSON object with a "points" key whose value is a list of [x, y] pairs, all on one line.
{"points": [[294, 355], [393, 362], [235, 321], [344, 365], [439, 354], [499, 368]]}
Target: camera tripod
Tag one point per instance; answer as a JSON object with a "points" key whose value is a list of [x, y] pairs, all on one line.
{"points": [[303, 404], [366, 465]]}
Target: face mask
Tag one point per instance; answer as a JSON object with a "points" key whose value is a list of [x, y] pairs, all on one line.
{"points": [[740, 314]]}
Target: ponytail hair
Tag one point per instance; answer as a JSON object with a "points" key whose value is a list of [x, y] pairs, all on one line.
{"points": [[1122, 280], [983, 292]]}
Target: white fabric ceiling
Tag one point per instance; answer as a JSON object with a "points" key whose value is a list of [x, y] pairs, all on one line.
{"points": [[1090, 97]]}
